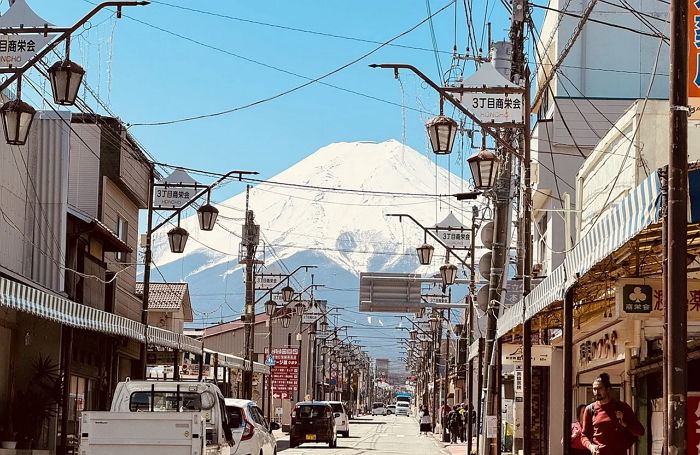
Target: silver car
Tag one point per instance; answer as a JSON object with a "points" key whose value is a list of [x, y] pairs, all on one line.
{"points": [[252, 433]]}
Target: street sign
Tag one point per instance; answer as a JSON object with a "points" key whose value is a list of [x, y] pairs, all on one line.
{"points": [[512, 354], [267, 281], [312, 315], [270, 360], [284, 371], [390, 292], [17, 50], [174, 191], [488, 106], [453, 233]]}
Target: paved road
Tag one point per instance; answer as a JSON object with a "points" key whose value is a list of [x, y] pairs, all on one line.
{"points": [[378, 435]]}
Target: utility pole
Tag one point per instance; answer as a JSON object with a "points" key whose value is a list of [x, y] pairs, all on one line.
{"points": [[469, 330], [676, 293], [250, 238], [502, 218]]}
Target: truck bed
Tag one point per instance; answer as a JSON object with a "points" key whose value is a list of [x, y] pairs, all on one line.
{"points": [[142, 433]]}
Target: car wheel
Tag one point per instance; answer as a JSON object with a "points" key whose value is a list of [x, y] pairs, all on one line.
{"points": [[346, 434]]}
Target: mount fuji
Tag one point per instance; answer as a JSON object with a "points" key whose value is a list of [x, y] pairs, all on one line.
{"points": [[327, 210]]}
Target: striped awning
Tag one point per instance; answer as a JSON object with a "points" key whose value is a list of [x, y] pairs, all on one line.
{"points": [[28, 299], [31, 300], [636, 212]]}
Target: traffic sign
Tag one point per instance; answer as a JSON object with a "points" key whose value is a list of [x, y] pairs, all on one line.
{"points": [[270, 361]]}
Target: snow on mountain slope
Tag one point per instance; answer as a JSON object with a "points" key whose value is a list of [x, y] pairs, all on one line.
{"points": [[348, 228]]}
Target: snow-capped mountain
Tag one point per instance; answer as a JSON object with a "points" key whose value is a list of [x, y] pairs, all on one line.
{"points": [[305, 218]]}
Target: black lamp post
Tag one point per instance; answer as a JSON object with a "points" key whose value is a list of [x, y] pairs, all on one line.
{"points": [[66, 77], [442, 131], [287, 293], [177, 237], [434, 321], [448, 273], [484, 167], [270, 307], [286, 319], [299, 308], [17, 117], [414, 334], [425, 254], [207, 215]]}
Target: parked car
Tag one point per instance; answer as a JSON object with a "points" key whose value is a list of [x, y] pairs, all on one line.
{"points": [[313, 421], [403, 408], [251, 431], [391, 409], [342, 419], [378, 409]]}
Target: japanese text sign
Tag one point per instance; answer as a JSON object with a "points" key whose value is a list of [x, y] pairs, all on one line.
{"points": [[512, 354], [16, 50], [495, 107], [643, 298]]}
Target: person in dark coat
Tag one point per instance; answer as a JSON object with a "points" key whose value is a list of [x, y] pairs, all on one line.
{"points": [[425, 423]]}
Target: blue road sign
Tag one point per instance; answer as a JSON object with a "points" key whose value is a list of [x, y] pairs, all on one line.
{"points": [[270, 361]]}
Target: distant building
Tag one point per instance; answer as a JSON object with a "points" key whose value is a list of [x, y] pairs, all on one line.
{"points": [[383, 368]]}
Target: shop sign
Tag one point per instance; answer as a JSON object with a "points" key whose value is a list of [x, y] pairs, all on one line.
{"points": [[285, 371], [512, 354], [643, 298], [174, 191], [160, 358], [600, 348], [312, 315], [265, 282], [693, 426], [453, 234], [17, 49]]}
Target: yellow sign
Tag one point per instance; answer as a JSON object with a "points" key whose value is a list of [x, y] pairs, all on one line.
{"points": [[307, 397]]}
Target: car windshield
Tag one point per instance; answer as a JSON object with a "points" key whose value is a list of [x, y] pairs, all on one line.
{"points": [[306, 411], [161, 401], [377, 405], [402, 405], [337, 407]]}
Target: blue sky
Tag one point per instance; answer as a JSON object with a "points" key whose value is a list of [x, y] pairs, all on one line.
{"points": [[147, 75]]}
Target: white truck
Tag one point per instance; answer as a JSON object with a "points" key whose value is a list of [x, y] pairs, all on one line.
{"points": [[159, 417]]}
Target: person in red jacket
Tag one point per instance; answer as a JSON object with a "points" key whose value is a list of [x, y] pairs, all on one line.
{"points": [[610, 427]]}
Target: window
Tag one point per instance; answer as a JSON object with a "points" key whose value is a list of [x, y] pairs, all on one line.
{"points": [[542, 234], [158, 401], [122, 232], [257, 415]]}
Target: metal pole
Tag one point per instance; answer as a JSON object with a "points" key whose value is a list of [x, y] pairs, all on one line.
{"points": [[65, 398], [176, 364], [663, 178], [480, 397], [269, 382], [676, 249], [527, 272], [147, 274], [249, 338], [568, 365]]}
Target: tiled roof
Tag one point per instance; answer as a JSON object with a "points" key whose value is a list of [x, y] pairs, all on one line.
{"points": [[232, 326], [165, 296]]}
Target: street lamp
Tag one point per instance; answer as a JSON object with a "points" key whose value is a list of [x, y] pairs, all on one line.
{"points": [[207, 215], [425, 344], [414, 334], [287, 294], [442, 131], [270, 307], [177, 237], [448, 273], [484, 166], [457, 329], [17, 117], [425, 254], [434, 323], [65, 77], [299, 308], [286, 319]]}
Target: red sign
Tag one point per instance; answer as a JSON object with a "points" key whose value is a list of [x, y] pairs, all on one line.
{"points": [[693, 426], [285, 372]]}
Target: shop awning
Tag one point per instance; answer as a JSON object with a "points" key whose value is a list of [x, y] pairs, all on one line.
{"points": [[637, 211], [28, 299]]}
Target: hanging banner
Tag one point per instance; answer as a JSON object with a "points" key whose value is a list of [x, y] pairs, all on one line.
{"points": [[694, 59], [642, 298]]}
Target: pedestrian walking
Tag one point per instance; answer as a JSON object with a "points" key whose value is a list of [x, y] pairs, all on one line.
{"points": [[425, 425], [445, 409], [577, 447], [610, 426], [463, 412], [454, 424]]}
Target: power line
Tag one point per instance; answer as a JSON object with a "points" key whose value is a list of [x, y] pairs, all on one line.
{"points": [[293, 89]]}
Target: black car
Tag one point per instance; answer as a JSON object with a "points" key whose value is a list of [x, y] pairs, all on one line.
{"points": [[312, 421]]}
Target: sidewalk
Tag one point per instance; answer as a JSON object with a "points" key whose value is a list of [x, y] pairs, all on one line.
{"points": [[459, 448]]}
